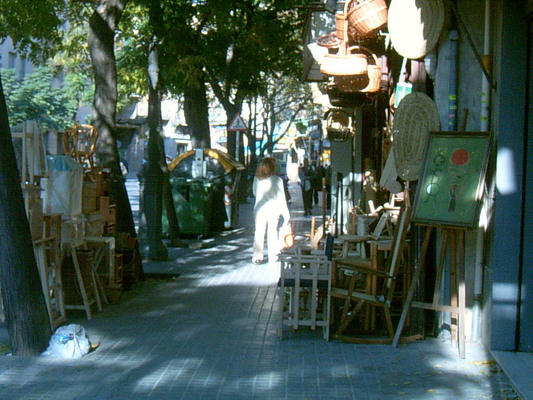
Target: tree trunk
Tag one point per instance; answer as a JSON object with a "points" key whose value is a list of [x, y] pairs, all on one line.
{"points": [[168, 200], [196, 110], [232, 135], [152, 210], [24, 306], [102, 24]]}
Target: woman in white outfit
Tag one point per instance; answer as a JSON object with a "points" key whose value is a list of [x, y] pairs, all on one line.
{"points": [[270, 204]]}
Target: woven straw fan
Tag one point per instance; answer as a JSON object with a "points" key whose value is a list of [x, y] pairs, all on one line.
{"points": [[415, 117]]}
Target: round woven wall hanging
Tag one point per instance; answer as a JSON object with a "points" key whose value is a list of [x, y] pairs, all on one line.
{"points": [[415, 26], [415, 117]]}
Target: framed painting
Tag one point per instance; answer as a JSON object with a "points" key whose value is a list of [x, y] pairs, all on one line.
{"points": [[450, 188]]}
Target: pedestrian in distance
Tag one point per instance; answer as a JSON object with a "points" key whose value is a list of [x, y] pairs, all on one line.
{"points": [[327, 176], [270, 205], [305, 174], [317, 173]]}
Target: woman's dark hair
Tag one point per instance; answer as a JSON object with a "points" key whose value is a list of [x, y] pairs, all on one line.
{"points": [[266, 168]]}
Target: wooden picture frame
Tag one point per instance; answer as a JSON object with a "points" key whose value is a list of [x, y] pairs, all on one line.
{"points": [[450, 188]]}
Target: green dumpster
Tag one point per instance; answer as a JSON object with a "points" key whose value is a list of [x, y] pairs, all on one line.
{"points": [[193, 204], [197, 177]]}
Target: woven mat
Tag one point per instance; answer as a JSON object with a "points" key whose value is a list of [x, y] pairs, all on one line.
{"points": [[415, 26], [416, 115]]}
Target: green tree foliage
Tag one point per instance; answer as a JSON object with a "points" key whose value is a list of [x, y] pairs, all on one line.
{"points": [[236, 48], [39, 98], [32, 25], [234, 44], [283, 100], [71, 57], [133, 37]]}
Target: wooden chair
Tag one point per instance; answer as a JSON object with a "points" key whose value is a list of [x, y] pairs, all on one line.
{"points": [[79, 142], [304, 287], [358, 241], [311, 246], [364, 274]]}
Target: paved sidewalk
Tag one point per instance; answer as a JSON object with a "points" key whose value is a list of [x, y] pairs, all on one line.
{"points": [[210, 333]]}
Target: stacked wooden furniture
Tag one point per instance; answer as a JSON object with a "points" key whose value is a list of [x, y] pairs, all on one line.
{"points": [[78, 251], [100, 237], [358, 281], [45, 229], [109, 214]]}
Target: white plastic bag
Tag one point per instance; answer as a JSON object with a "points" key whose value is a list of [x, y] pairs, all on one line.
{"points": [[68, 341]]}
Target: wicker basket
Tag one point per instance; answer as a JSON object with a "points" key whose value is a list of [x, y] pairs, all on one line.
{"points": [[339, 135], [340, 22], [351, 83], [344, 63], [331, 41], [339, 125], [374, 79], [338, 98], [366, 16], [415, 26], [369, 82]]}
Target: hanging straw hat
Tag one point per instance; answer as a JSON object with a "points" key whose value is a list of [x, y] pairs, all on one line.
{"points": [[415, 117], [415, 26]]}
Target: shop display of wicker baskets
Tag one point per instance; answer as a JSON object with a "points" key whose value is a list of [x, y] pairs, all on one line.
{"points": [[354, 69]]}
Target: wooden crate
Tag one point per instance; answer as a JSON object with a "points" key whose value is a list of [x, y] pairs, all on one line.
{"points": [[126, 245], [105, 259], [88, 197], [94, 224], [114, 286]]}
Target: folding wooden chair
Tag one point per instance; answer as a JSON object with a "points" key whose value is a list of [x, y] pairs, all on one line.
{"points": [[304, 287], [364, 274]]}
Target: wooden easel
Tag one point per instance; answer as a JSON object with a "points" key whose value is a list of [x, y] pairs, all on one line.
{"points": [[451, 239]]}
